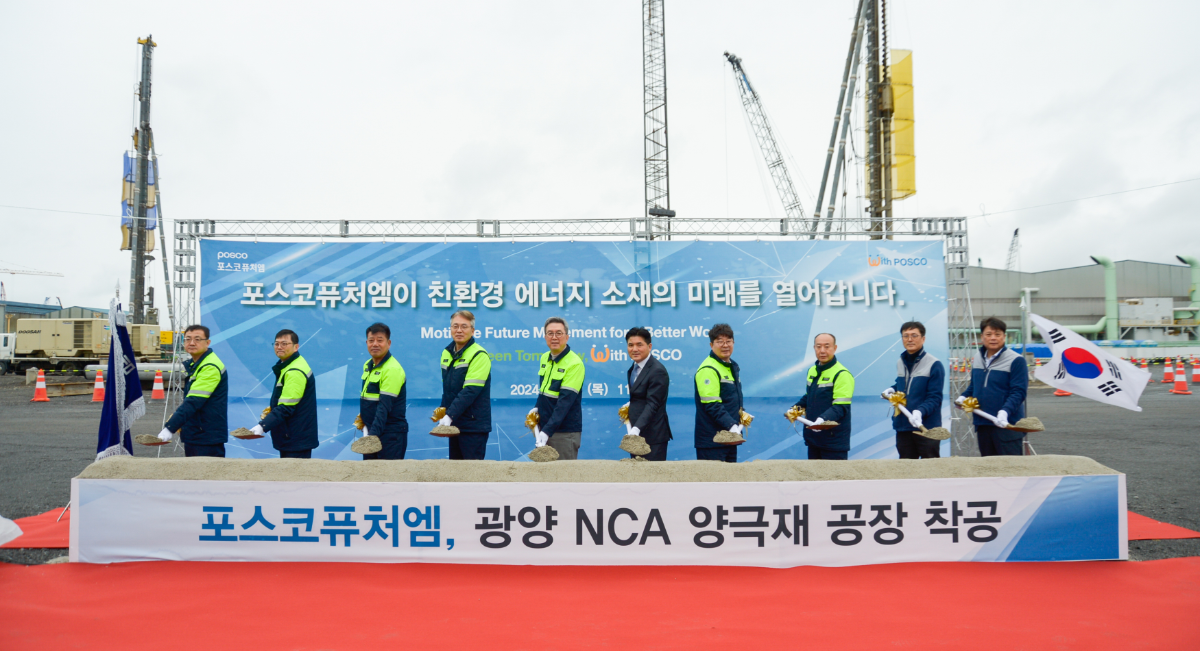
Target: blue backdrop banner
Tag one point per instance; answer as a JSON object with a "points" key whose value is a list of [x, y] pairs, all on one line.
{"points": [[775, 295]]}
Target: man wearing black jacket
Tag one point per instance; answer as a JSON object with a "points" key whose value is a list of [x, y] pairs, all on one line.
{"points": [[648, 386]]}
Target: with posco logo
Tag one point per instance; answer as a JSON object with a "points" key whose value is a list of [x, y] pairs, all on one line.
{"points": [[897, 262], [231, 255]]}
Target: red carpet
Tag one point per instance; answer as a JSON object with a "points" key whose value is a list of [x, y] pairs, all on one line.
{"points": [[1143, 528], [41, 531], [345, 606]]}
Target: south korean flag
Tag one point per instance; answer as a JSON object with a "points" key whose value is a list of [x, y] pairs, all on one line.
{"points": [[1080, 367]]}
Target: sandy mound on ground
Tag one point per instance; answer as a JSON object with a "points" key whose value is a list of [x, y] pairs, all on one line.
{"points": [[443, 470]]}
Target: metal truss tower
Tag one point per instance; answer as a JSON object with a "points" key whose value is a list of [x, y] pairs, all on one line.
{"points": [[137, 226], [654, 83], [794, 220], [963, 340]]}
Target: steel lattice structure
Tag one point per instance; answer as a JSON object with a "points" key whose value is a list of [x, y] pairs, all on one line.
{"points": [[654, 84], [795, 220]]}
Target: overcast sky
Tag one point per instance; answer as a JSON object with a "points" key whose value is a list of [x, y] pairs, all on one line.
{"points": [[533, 109]]}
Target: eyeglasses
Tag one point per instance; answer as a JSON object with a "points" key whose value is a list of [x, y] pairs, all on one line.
{"points": [[283, 344], [459, 326], [193, 340], [555, 334], [910, 337]]}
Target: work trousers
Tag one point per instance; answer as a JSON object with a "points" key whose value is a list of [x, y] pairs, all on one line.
{"points": [[469, 446], [567, 444], [193, 450], [295, 454], [394, 447], [726, 453], [827, 454], [992, 442], [658, 452], [911, 445]]}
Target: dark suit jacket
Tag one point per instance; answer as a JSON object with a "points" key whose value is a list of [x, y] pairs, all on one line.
{"points": [[648, 402]]}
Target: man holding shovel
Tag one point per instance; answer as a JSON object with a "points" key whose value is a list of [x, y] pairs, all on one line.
{"points": [[999, 381], [828, 391], [919, 376]]}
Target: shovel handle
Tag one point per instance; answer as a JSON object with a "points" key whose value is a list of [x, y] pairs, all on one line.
{"points": [[987, 416], [904, 410]]}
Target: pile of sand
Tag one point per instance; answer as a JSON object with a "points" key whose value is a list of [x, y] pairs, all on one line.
{"points": [[365, 445], [543, 454], [1030, 424], [442, 470], [244, 434], [729, 438], [634, 444], [148, 439], [445, 431], [937, 433]]}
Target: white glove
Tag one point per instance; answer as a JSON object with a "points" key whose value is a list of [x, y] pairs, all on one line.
{"points": [[165, 435], [633, 431], [257, 429], [625, 405], [532, 411], [887, 393], [736, 429], [444, 422], [365, 432], [958, 403], [1002, 419], [915, 418], [540, 437], [818, 421]]}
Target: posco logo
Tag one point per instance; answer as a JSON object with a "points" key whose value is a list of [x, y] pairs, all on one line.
{"points": [[896, 262], [231, 255], [667, 354]]}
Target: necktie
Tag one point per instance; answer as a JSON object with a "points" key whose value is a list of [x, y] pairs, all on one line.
{"points": [[633, 377]]}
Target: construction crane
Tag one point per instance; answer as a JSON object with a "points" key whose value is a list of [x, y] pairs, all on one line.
{"points": [[23, 272], [27, 272], [794, 214], [654, 115], [1014, 252]]}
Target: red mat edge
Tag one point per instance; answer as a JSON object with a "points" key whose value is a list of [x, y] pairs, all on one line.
{"points": [[1146, 528], [43, 531]]}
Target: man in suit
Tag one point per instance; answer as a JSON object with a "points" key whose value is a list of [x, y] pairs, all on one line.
{"points": [[648, 386]]}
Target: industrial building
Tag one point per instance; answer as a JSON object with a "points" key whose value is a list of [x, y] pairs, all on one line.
{"points": [[10, 311], [1152, 301]]}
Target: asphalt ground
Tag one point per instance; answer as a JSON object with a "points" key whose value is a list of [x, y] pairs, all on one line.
{"points": [[44, 445]]}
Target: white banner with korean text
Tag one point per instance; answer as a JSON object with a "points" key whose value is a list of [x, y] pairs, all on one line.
{"points": [[764, 524]]}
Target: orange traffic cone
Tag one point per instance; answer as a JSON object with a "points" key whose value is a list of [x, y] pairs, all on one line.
{"points": [[1181, 387], [157, 393], [1195, 373], [1145, 365], [98, 388], [39, 391], [1060, 393], [1168, 373]]}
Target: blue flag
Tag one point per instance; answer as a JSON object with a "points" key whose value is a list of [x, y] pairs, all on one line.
{"points": [[123, 403]]}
